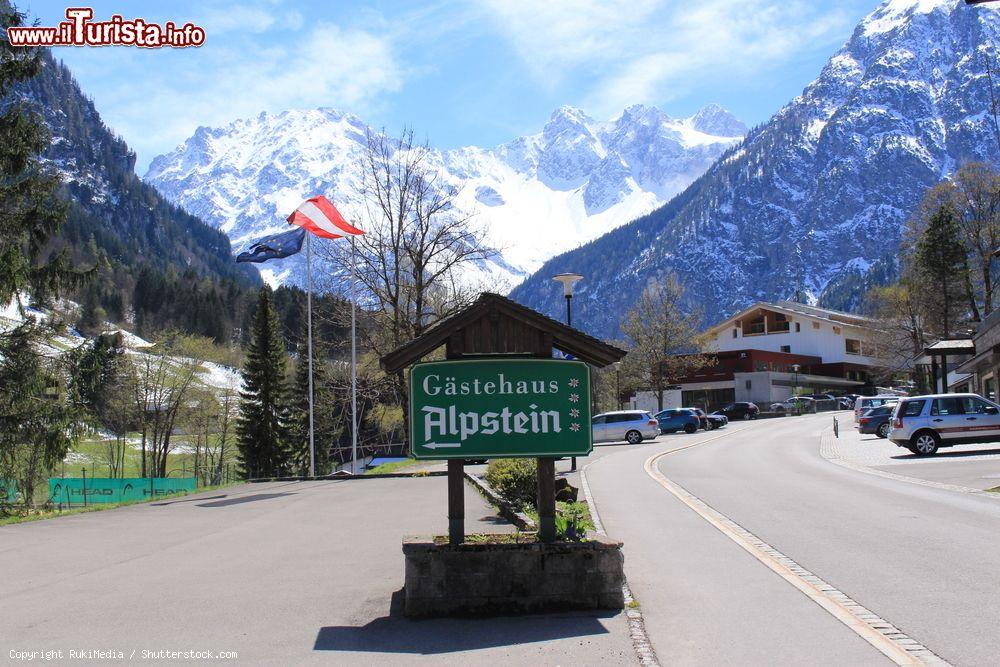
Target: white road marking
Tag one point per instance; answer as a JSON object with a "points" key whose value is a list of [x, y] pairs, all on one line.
{"points": [[882, 635]]}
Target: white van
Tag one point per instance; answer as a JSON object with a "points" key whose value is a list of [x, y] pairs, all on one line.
{"points": [[866, 403]]}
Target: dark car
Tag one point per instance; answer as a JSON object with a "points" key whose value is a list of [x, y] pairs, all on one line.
{"points": [[705, 422], [876, 421], [677, 419], [709, 422], [739, 411]]}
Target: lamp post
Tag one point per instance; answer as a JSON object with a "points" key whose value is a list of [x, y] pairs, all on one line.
{"points": [[618, 384], [568, 280], [795, 383]]}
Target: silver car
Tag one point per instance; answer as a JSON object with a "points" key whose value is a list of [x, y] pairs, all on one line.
{"points": [[922, 424], [630, 425]]}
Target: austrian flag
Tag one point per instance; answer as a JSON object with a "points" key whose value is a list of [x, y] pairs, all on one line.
{"points": [[320, 217]]}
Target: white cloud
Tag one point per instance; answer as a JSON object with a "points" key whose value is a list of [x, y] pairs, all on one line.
{"points": [[235, 77], [657, 49]]}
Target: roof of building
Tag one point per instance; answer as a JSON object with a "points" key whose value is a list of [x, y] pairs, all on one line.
{"points": [[802, 309], [952, 346], [564, 337]]}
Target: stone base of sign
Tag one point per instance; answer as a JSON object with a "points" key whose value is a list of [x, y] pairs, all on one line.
{"points": [[487, 579]]}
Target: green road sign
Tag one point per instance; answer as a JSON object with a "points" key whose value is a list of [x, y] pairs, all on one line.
{"points": [[73, 490], [490, 408]]}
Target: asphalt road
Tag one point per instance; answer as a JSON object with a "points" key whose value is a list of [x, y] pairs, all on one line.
{"points": [[924, 559], [281, 573]]}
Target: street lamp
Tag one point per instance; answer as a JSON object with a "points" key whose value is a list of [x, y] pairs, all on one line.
{"points": [[795, 383], [568, 280], [618, 383]]}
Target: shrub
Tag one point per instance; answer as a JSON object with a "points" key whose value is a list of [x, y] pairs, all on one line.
{"points": [[573, 521], [515, 480]]}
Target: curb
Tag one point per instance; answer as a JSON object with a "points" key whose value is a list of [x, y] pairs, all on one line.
{"points": [[882, 635], [348, 476], [636, 625], [506, 510]]}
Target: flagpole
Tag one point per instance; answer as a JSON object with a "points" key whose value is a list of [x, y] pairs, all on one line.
{"points": [[354, 374], [309, 347]]}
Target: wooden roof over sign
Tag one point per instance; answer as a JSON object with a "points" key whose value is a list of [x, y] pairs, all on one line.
{"points": [[495, 324]]}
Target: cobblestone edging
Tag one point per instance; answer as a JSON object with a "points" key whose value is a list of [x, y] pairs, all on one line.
{"points": [[829, 449], [636, 625], [880, 633]]}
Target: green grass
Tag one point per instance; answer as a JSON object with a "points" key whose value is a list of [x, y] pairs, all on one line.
{"points": [[392, 466], [93, 453], [995, 489], [25, 515]]}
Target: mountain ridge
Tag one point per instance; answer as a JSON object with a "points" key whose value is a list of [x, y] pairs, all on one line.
{"points": [[813, 201], [579, 175]]}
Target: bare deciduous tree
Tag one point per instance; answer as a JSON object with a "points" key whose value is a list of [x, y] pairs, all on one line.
{"points": [[416, 241], [664, 345]]}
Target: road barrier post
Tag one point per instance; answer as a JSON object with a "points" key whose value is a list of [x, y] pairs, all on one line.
{"points": [[836, 428]]}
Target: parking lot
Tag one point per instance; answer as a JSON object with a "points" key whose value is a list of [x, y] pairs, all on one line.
{"points": [[972, 466]]}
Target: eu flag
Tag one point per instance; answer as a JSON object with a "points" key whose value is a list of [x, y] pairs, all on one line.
{"points": [[274, 247]]}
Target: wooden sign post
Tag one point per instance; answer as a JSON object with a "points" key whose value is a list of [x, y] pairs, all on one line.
{"points": [[500, 394]]}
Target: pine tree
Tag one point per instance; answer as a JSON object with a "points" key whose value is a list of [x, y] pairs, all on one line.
{"points": [[262, 429], [326, 426], [31, 213], [941, 259]]}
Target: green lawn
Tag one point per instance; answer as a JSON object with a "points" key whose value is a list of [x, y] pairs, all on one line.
{"points": [[93, 454], [394, 466]]}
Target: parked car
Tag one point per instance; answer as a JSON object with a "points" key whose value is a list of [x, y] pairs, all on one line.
{"points": [[678, 419], [845, 403], [709, 422], [877, 421], [866, 403], [742, 410], [794, 404], [629, 425], [923, 424], [819, 397]]}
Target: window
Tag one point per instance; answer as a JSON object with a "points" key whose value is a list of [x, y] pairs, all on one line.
{"points": [[786, 348], [815, 325], [836, 330], [736, 333], [598, 420], [852, 345], [748, 385], [754, 327], [973, 406], [798, 327], [947, 406], [990, 388], [911, 408]]}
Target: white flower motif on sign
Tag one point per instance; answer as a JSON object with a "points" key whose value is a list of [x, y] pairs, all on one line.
{"points": [[574, 383], [574, 427], [574, 413], [573, 398]]}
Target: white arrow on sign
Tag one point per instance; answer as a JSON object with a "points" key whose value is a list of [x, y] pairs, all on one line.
{"points": [[442, 445]]}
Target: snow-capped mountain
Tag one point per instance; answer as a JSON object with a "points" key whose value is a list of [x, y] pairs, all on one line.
{"points": [[814, 201], [537, 195]]}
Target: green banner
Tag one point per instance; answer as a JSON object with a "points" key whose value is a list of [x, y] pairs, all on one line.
{"points": [[93, 490], [8, 491], [490, 408]]}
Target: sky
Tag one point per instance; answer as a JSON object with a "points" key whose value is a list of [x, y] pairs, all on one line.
{"points": [[458, 73]]}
